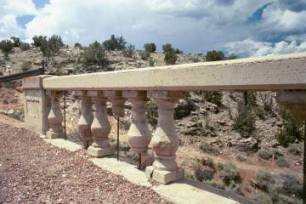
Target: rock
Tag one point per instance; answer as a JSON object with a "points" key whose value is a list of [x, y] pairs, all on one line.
{"points": [[279, 123], [246, 144], [221, 122], [184, 108]]}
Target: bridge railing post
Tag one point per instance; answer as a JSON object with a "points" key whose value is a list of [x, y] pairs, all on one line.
{"points": [[37, 105]]}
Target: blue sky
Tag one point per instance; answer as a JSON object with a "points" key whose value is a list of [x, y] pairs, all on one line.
{"points": [[40, 3], [243, 27]]}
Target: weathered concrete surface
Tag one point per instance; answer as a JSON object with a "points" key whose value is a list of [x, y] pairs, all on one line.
{"points": [[180, 193], [36, 106], [64, 144], [130, 172], [262, 73]]}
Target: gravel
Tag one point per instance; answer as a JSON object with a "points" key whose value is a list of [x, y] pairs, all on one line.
{"points": [[32, 171]]}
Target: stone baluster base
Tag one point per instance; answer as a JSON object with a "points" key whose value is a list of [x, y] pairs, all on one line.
{"points": [[165, 141], [100, 127]]}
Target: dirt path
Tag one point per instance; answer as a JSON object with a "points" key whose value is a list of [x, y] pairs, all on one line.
{"points": [[32, 171]]}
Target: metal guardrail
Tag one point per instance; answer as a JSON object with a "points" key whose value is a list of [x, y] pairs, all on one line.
{"points": [[21, 75]]}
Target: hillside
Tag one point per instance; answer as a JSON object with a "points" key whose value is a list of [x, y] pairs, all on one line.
{"points": [[229, 140]]}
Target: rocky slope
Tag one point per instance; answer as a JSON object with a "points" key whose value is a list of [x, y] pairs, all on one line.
{"points": [[206, 123]]}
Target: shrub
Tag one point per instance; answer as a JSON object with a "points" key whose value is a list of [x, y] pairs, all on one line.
{"points": [[295, 149], [232, 56], [152, 113], [267, 101], [16, 41], [55, 43], [150, 47], [214, 55], [290, 131], [280, 187], [144, 55], [170, 57], [178, 51], [208, 148], [95, 55], [24, 46], [229, 173], [78, 45], [38, 41], [6, 47], [151, 62], [263, 198], [44, 48], [129, 51], [115, 43], [264, 179], [208, 162], [49, 47], [204, 174], [184, 108], [167, 48], [249, 98], [260, 112], [214, 97], [282, 162], [170, 54], [291, 185], [244, 123], [265, 154], [283, 199]]}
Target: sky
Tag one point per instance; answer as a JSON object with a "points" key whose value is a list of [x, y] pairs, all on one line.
{"points": [[241, 27]]}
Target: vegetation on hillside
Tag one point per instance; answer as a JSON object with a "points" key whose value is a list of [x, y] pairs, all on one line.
{"points": [[204, 119]]}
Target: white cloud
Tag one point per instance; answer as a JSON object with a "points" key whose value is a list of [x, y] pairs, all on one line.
{"points": [[249, 47], [283, 20], [191, 25], [9, 11]]}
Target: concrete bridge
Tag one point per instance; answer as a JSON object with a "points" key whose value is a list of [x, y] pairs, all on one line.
{"points": [[165, 85]]}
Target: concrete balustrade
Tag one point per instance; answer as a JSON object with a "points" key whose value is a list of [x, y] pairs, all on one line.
{"points": [[86, 118], [100, 127], [165, 141], [55, 116], [165, 86], [139, 135]]}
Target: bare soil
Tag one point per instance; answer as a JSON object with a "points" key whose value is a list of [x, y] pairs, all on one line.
{"points": [[32, 171]]}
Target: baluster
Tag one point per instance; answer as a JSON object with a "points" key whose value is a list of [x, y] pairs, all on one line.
{"points": [[100, 127], [55, 117], [139, 135], [165, 141], [86, 119]]}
